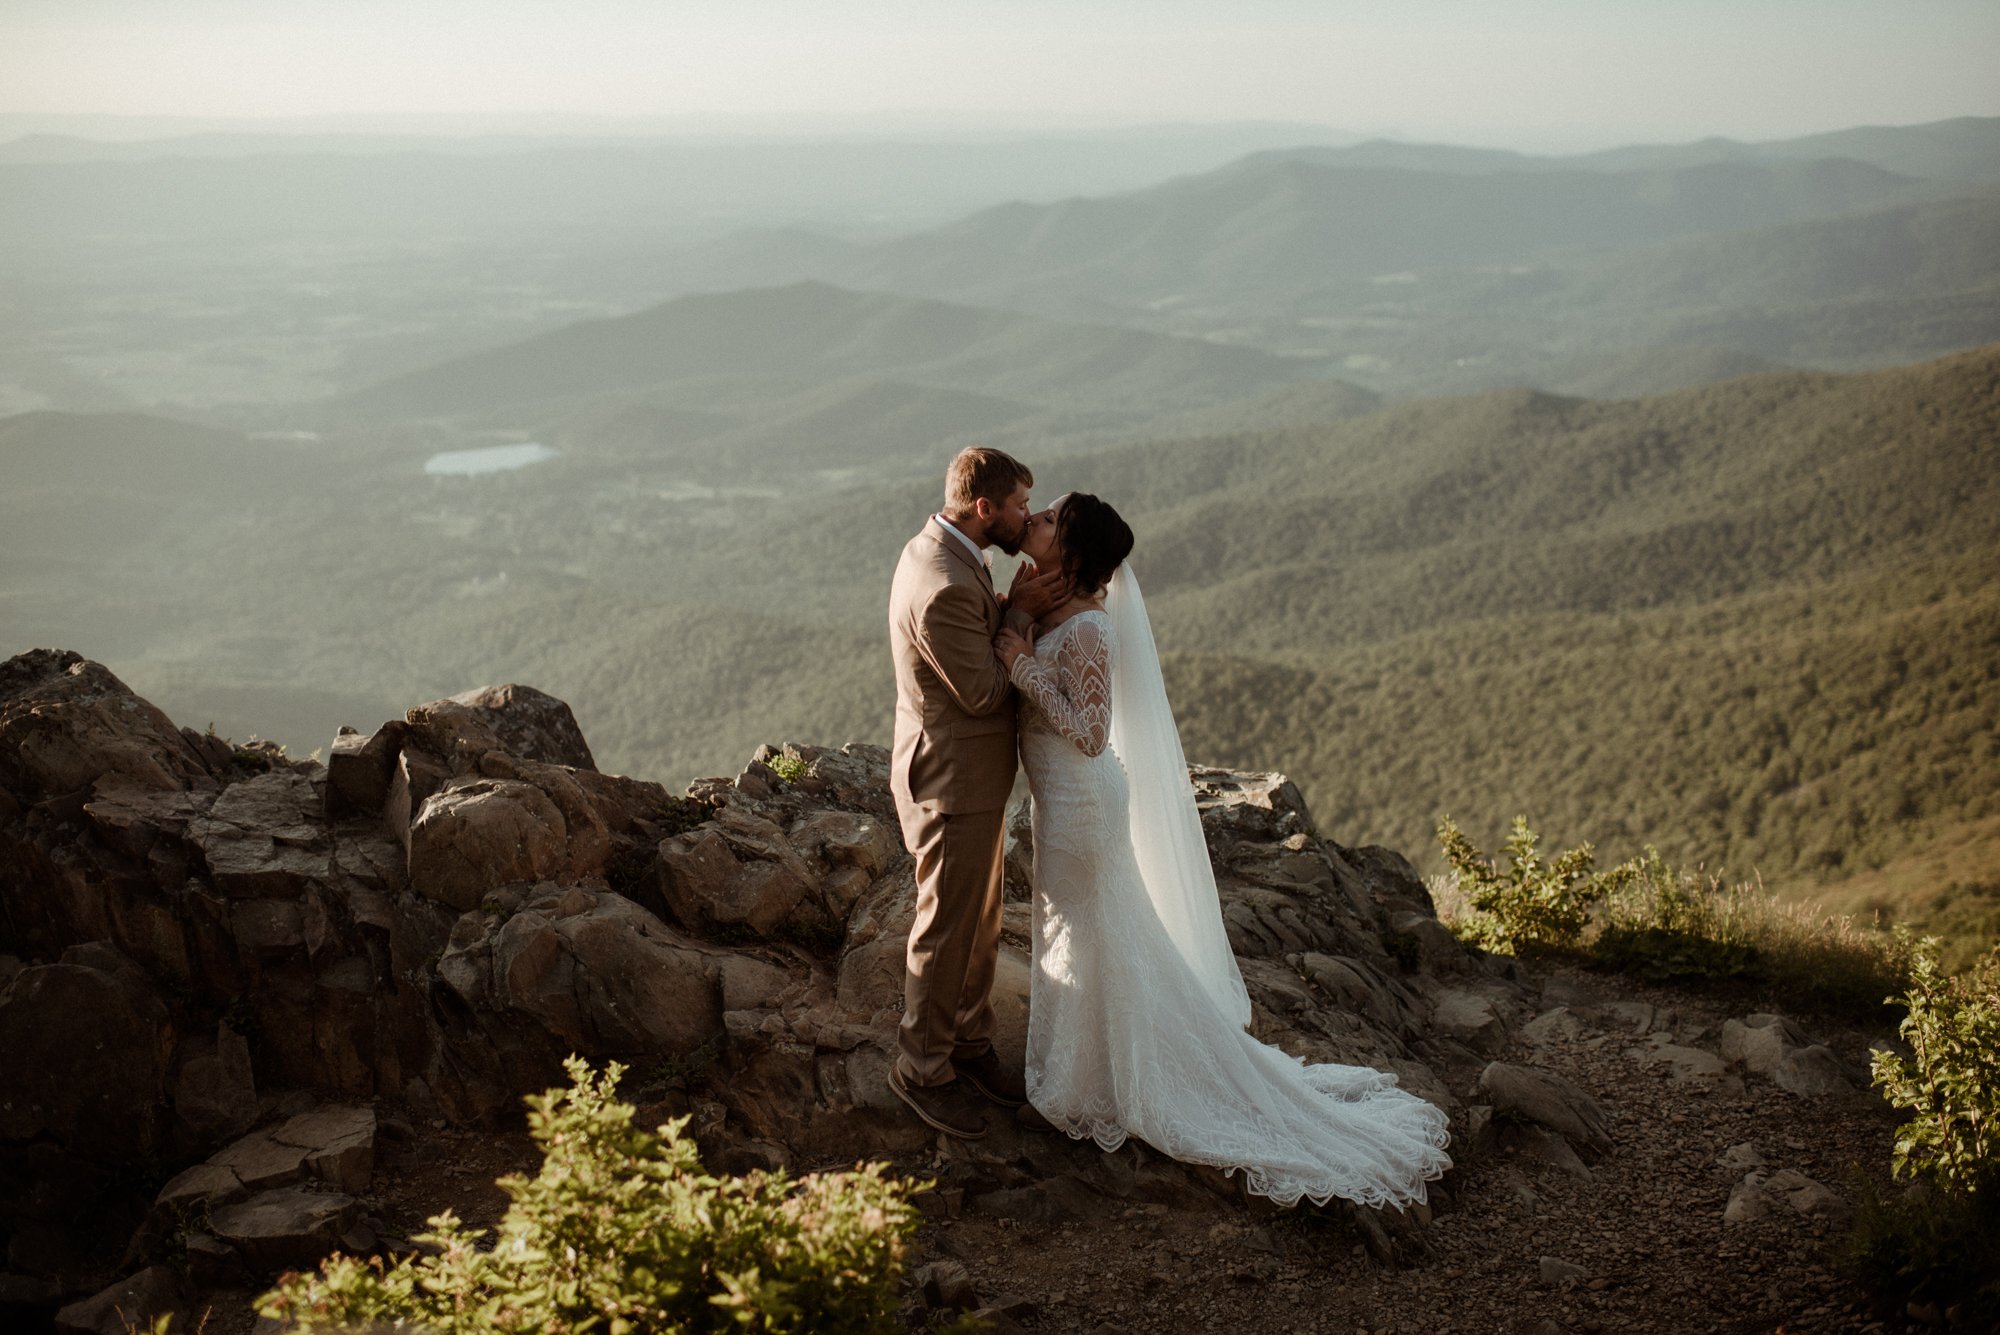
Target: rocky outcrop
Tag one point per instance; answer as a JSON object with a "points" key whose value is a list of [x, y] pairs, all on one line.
{"points": [[203, 936], [88, 1044]]}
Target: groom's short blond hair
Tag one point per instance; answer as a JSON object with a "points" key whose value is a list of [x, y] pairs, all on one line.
{"points": [[980, 472]]}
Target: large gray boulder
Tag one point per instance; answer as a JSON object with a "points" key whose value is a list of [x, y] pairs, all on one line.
{"points": [[68, 724], [265, 836], [334, 1144], [361, 767], [739, 871]]}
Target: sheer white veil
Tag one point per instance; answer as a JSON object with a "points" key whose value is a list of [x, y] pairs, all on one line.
{"points": [[1166, 830]]}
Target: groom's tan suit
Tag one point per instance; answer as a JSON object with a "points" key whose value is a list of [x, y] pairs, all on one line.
{"points": [[953, 768]]}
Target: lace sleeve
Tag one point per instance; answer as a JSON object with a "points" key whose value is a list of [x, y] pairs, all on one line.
{"points": [[1073, 693]]}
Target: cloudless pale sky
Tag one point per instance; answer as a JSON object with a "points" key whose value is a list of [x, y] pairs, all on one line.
{"points": [[1526, 73]]}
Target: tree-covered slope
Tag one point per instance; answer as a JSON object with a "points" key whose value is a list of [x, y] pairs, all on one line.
{"points": [[1757, 623]]}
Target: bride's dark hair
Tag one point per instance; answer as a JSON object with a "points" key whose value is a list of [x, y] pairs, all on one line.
{"points": [[1094, 540]]}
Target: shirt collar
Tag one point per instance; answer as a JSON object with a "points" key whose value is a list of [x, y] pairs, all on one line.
{"points": [[971, 546]]}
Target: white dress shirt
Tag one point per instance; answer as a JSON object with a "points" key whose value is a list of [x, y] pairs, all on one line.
{"points": [[978, 553]]}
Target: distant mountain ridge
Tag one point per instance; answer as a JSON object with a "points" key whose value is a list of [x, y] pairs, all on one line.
{"points": [[1265, 229], [1963, 149], [680, 187], [1420, 269], [809, 333]]}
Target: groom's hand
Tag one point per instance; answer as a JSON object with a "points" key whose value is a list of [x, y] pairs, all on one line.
{"points": [[1036, 594]]}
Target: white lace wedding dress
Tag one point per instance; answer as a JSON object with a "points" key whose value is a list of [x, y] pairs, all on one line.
{"points": [[1136, 1022]]}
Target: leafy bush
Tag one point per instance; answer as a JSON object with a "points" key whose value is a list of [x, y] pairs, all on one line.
{"points": [[1933, 1250], [622, 1232], [1534, 902], [1950, 1085]]}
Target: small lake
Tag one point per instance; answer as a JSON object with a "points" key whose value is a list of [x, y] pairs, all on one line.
{"points": [[488, 459]]}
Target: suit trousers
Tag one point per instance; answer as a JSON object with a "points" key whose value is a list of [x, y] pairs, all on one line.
{"points": [[954, 942]]}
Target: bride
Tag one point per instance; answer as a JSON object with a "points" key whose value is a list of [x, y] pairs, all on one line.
{"points": [[1136, 1021]]}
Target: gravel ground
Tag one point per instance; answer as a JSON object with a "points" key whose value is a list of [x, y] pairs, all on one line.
{"points": [[1521, 1238], [1638, 1245]]}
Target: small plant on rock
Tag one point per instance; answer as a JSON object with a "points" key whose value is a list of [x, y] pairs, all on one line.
{"points": [[684, 1070], [1533, 902], [622, 1231], [678, 815], [789, 768]]}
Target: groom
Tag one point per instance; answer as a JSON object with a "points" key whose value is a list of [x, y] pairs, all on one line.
{"points": [[952, 770]]}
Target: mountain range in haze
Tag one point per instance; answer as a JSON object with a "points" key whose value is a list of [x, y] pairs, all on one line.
{"points": [[240, 284], [1636, 573]]}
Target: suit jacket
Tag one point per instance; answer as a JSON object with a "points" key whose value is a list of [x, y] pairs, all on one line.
{"points": [[954, 741]]}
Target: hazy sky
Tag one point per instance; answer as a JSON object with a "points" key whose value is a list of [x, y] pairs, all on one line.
{"points": [[1532, 73]]}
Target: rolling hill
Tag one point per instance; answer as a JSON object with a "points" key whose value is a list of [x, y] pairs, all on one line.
{"points": [[1755, 623], [811, 333], [1868, 289]]}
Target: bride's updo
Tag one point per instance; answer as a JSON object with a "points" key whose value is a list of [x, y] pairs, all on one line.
{"points": [[1094, 541]]}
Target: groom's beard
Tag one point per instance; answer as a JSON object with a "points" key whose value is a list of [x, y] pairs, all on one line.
{"points": [[1010, 543]]}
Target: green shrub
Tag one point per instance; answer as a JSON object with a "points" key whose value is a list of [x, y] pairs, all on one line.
{"points": [[1678, 926], [1650, 920], [1950, 1085], [622, 1232], [678, 815], [1534, 902], [1664, 925], [789, 768]]}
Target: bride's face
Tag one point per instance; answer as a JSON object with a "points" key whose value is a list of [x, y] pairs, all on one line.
{"points": [[1040, 545]]}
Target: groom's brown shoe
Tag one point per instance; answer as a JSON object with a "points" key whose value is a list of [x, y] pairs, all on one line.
{"points": [[945, 1107], [993, 1078]]}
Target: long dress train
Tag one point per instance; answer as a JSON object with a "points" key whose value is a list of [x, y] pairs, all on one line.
{"points": [[1125, 1037]]}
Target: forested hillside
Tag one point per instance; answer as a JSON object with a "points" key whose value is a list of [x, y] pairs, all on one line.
{"points": [[1756, 623]]}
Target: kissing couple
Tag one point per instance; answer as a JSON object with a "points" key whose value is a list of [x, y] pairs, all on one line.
{"points": [[1137, 1020]]}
